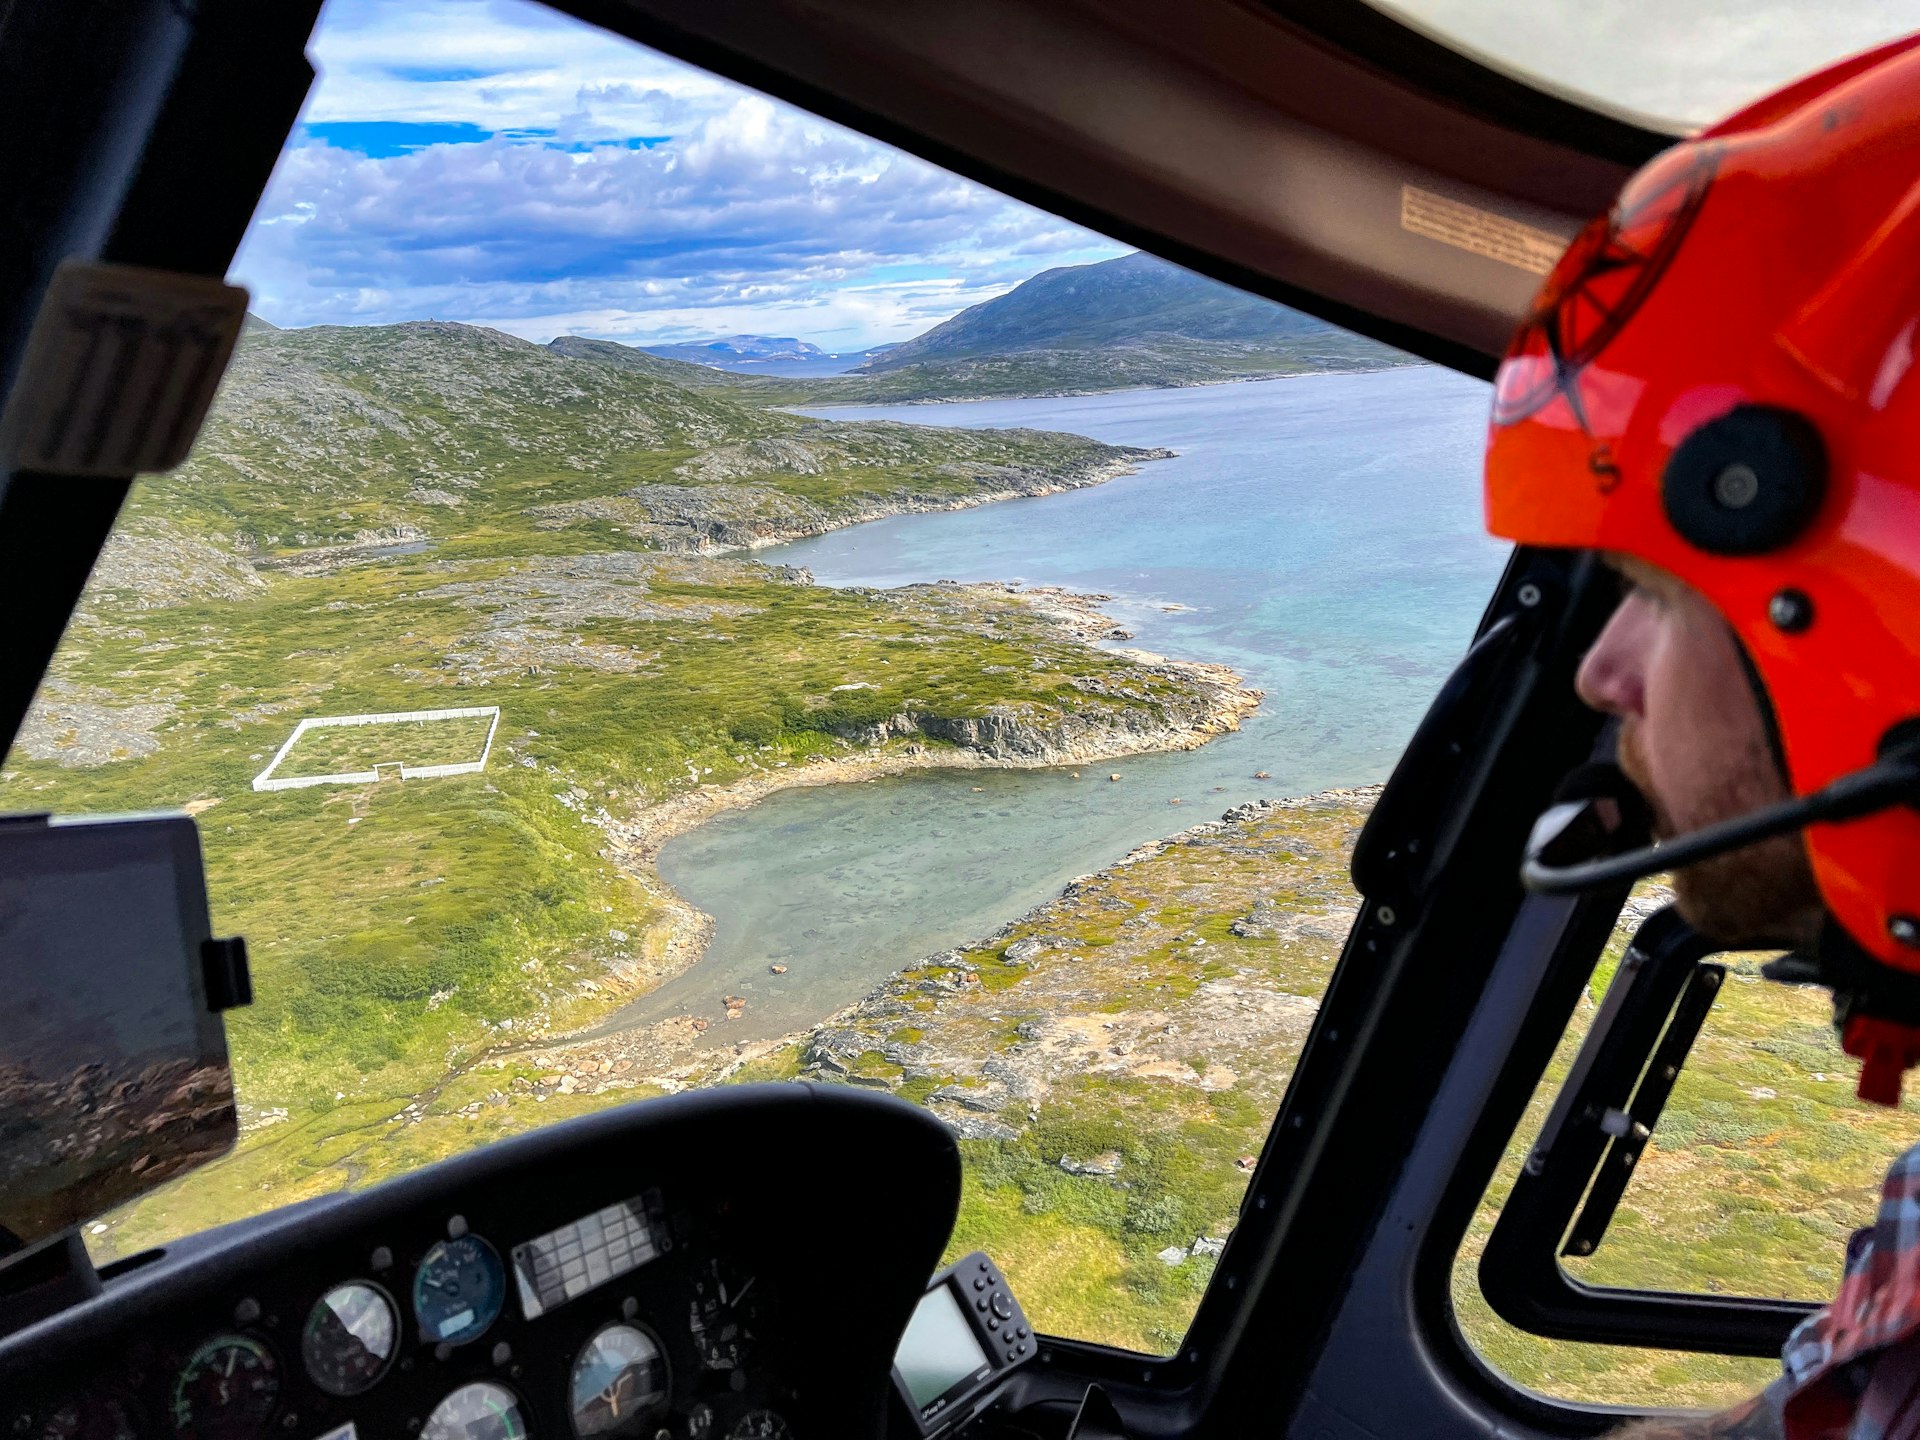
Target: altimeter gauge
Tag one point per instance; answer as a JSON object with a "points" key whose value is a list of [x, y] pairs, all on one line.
{"points": [[351, 1337]]}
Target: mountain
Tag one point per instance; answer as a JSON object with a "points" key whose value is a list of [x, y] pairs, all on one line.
{"points": [[1132, 323], [739, 350], [1136, 299]]}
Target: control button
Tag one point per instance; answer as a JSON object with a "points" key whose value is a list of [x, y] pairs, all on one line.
{"points": [[1023, 1332], [992, 1323], [981, 1303], [983, 1265], [1022, 1347], [979, 1282], [1012, 1353], [1001, 1305]]}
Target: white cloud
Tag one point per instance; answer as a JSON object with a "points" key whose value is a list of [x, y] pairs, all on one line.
{"points": [[749, 216]]}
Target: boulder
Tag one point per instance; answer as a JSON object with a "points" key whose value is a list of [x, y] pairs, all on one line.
{"points": [[968, 1126], [984, 1099], [1105, 1163], [1023, 952], [1260, 923]]}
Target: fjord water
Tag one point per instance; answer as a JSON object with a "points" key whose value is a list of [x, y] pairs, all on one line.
{"points": [[1323, 536]]}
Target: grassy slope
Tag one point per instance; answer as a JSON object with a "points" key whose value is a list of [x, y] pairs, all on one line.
{"points": [[399, 930]]}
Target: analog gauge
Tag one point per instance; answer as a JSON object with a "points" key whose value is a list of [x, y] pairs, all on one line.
{"points": [[480, 1411], [760, 1425], [88, 1417], [619, 1382], [725, 1305], [351, 1337], [458, 1290], [226, 1390]]}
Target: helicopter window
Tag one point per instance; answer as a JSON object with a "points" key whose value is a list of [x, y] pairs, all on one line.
{"points": [[472, 652], [1759, 1165], [1678, 67]]}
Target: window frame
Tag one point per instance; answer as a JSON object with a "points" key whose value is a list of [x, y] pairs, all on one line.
{"points": [[1578, 1169]]}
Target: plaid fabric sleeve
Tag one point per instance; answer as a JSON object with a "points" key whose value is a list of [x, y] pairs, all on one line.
{"points": [[1846, 1369]]}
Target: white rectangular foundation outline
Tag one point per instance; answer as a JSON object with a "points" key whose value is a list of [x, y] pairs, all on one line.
{"points": [[265, 779]]}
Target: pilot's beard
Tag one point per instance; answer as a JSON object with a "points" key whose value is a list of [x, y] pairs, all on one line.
{"points": [[1762, 895]]}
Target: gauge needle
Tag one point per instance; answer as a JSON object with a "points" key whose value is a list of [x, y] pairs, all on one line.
{"points": [[743, 1291]]}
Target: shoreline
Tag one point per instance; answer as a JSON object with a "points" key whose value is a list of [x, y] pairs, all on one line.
{"points": [[808, 409], [583, 1063], [678, 940]]}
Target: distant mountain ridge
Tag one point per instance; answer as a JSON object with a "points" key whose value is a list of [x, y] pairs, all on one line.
{"points": [[1132, 323], [736, 349], [1136, 299]]}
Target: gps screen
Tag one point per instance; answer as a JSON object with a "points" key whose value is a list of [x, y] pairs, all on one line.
{"points": [[939, 1350]]}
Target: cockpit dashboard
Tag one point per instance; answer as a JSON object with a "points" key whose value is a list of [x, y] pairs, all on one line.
{"points": [[729, 1265]]}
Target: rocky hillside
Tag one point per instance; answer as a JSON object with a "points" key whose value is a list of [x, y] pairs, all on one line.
{"points": [[342, 439]]}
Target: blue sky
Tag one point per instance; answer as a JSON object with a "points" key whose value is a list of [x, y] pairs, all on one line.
{"points": [[491, 162]]}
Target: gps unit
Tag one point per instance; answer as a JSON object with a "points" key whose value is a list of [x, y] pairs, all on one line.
{"points": [[965, 1334]]}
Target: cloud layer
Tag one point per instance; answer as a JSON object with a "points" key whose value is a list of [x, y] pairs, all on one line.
{"points": [[488, 161]]}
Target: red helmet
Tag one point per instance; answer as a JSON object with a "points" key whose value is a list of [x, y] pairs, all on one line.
{"points": [[1719, 378]]}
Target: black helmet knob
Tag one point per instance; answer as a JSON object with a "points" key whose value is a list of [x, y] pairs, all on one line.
{"points": [[1746, 483]]}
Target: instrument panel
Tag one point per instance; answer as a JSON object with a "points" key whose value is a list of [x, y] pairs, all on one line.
{"points": [[650, 1287]]}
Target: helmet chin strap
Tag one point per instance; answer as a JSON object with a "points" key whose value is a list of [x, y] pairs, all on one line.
{"points": [[1568, 852]]}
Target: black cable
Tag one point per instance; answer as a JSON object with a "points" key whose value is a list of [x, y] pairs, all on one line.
{"points": [[1863, 792]]}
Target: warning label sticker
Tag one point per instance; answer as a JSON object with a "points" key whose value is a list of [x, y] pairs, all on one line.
{"points": [[1468, 227], [120, 369]]}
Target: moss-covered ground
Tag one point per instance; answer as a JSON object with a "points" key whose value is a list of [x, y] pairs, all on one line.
{"points": [[1118, 1082], [331, 749]]}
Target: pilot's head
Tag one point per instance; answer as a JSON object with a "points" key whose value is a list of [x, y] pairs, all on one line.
{"points": [[1717, 391]]}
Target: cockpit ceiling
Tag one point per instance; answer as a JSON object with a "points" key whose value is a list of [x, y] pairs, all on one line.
{"points": [[1225, 134], [1676, 66]]}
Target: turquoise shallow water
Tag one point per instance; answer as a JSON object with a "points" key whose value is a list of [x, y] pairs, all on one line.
{"points": [[1324, 535]]}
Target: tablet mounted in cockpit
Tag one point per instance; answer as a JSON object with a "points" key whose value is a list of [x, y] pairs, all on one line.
{"points": [[113, 1065]]}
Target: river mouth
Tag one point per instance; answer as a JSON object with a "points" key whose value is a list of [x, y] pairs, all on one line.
{"points": [[1320, 535]]}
